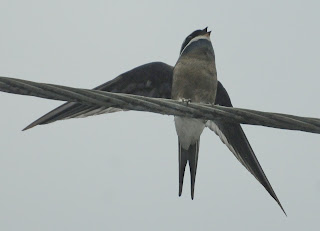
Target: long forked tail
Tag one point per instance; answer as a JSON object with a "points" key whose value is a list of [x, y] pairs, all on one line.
{"points": [[191, 156]]}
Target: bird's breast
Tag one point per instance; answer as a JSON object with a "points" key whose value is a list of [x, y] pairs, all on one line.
{"points": [[195, 79]]}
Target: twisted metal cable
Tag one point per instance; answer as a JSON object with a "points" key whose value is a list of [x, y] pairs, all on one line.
{"points": [[157, 105]]}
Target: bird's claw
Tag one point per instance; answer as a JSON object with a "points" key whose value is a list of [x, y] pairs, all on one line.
{"points": [[185, 101]]}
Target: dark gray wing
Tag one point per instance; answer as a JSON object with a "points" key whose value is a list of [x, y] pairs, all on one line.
{"points": [[152, 79], [232, 135], [155, 80]]}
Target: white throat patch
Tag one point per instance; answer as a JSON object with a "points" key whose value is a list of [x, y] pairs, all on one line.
{"points": [[196, 39]]}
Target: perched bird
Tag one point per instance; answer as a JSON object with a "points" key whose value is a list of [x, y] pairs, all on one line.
{"points": [[195, 80], [192, 79]]}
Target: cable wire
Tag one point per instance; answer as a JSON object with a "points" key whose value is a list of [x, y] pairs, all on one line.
{"points": [[159, 105]]}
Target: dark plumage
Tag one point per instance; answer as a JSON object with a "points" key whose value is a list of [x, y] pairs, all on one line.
{"points": [[156, 80], [161, 81]]}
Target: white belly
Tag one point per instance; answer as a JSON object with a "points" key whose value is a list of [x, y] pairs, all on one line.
{"points": [[188, 130]]}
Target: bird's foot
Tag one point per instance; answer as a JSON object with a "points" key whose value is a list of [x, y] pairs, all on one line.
{"points": [[185, 101]]}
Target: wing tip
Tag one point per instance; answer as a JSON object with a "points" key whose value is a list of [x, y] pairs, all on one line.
{"points": [[274, 196], [180, 189], [283, 211], [277, 200], [29, 126]]}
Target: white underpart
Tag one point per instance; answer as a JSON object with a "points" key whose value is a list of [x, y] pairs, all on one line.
{"points": [[213, 127], [210, 124], [188, 130], [196, 39]]}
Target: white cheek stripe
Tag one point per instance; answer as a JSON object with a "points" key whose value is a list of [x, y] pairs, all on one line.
{"points": [[196, 39]]}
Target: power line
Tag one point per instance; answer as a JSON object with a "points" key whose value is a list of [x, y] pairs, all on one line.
{"points": [[159, 105]]}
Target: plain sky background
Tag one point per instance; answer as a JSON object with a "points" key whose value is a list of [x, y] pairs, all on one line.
{"points": [[120, 171]]}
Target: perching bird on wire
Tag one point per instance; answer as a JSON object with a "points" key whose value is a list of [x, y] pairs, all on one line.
{"points": [[194, 78]]}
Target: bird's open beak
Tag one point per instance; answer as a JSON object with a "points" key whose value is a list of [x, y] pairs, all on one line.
{"points": [[208, 34]]}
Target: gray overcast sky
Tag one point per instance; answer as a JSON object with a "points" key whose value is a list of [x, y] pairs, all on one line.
{"points": [[120, 171]]}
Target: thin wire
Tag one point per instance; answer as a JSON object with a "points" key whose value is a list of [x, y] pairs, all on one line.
{"points": [[156, 105]]}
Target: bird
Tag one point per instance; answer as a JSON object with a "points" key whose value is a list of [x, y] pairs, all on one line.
{"points": [[194, 80], [159, 80]]}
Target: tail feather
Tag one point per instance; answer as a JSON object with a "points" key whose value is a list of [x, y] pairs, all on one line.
{"points": [[183, 159], [193, 162], [191, 156]]}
